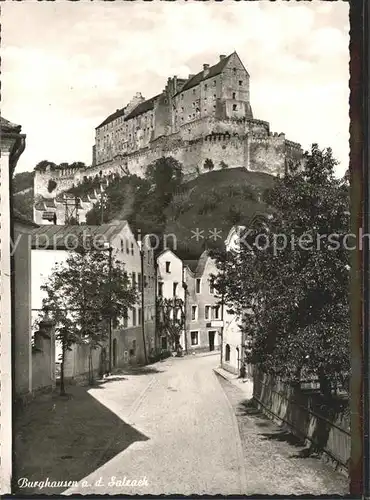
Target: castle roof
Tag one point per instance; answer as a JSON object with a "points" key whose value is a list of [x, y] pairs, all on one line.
{"points": [[214, 70], [142, 108], [113, 116]]}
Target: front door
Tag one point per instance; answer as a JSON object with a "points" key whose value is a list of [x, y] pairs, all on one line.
{"points": [[211, 338]]}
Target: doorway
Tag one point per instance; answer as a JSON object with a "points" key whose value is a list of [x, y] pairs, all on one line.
{"points": [[211, 339]]}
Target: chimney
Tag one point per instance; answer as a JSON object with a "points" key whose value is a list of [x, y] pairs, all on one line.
{"points": [[205, 69], [205, 66], [222, 57], [191, 75]]}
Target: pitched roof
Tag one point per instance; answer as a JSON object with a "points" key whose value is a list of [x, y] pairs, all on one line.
{"points": [[142, 108], [52, 236], [191, 264], [23, 219], [7, 126], [113, 116], [214, 70]]}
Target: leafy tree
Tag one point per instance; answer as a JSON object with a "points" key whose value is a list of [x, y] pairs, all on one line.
{"points": [[208, 164], [83, 295], [171, 318], [292, 274], [224, 165]]}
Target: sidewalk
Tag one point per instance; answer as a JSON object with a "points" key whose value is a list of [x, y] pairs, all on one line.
{"points": [[65, 438], [243, 384]]}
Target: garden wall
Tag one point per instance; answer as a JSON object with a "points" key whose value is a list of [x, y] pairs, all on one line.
{"points": [[324, 425]]}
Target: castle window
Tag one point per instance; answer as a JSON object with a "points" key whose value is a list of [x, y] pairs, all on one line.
{"points": [[234, 70], [240, 83], [234, 95], [234, 107], [205, 87]]}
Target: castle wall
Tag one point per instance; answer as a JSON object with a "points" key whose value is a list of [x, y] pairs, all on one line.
{"points": [[267, 154]]}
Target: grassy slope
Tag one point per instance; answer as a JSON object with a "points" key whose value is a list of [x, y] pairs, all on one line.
{"points": [[216, 200]]}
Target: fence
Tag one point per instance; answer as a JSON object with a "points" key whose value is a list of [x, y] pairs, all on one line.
{"points": [[324, 424]]}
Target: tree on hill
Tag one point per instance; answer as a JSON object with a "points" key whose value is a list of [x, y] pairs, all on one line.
{"points": [[208, 164], [292, 273], [83, 295]]}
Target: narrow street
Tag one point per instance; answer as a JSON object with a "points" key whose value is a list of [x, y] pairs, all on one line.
{"points": [[190, 440]]}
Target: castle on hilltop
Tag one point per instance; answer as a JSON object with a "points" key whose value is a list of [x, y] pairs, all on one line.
{"points": [[205, 117]]}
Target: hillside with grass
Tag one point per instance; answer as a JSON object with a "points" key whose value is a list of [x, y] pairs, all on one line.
{"points": [[162, 203]]}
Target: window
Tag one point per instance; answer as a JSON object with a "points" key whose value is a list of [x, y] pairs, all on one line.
{"points": [[139, 316], [197, 285], [211, 289], [240, 83], [234, 95], [132, 249], [127, 247], [227, 352], [216, 312], [122, 245], [139, 282], [133, 316], [214, 83], [134, 280], [194, 338], [205, 87], [160, 289], [234, 70], [168, 267], [207, 311], [145, 281], [234, 107], [193, 313], [175, 289]]}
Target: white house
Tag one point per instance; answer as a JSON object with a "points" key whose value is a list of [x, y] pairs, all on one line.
{"points": [[232, 353], [170, 279], [132, 339]]}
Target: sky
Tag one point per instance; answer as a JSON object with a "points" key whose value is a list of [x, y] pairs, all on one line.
{"points": [[67, 65]]}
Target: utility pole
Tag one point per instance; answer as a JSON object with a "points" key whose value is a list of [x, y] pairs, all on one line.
{"points": [[142, 303], [110, 249], [185, 287]]}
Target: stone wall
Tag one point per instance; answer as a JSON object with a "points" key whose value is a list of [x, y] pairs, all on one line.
{"points": [[243, 142]]}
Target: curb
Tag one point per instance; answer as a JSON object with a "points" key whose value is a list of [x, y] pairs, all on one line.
{"points": [[239, 448]]}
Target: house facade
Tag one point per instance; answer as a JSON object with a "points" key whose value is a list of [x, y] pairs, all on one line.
{"points": [[12, 145], [203, 305], [134, 334], [233, 345], [170, 280]]}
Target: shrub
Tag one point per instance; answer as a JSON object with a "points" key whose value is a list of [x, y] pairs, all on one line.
{"points": [[208, 164]]}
